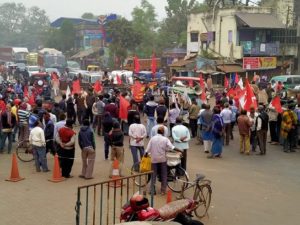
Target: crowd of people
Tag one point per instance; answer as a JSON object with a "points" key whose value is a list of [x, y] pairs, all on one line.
{"points": [[170, 123]]}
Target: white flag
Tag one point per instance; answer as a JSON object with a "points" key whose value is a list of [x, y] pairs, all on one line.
{"points": [[68, 91], [240, 83]]}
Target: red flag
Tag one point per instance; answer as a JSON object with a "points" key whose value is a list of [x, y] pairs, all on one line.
{"points": [[203, 96], [226, 82], [250, 99], [136, 65], [26, 91], [153, 65], [277, 104], [76, 87], [138, 91], [123, 112], [202, 84], [119, 81], [231, 92], [237, 79], [97, 86], [31, 100]]}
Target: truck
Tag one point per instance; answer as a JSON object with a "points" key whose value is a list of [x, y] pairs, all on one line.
{"points": [[145, 64], [51, 58], [13, 54]]}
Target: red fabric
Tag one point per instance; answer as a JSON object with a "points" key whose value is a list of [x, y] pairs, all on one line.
{"points": [[250, 99], [31, 100], [119, 81], [2, 106], [26, 91], [76, 87], [123, 112], [136, 65], [226, 82], [153, 65], [236, 78], [138, 91], [277, 104], [202, 84], [65, 134], [97, 86], [231, 92]]}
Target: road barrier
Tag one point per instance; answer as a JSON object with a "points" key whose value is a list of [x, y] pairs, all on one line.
{"points": [[101, 203]]}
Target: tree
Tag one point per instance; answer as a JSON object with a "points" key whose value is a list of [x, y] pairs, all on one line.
{"points": [[123, 38], [62, 38], [173, 28], [20, 26], [145, 23], [88, 15]]}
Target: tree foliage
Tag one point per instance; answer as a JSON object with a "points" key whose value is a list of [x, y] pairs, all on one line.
{"points": [[88, 15], [21, 26], [123, 38], [145, 23]]}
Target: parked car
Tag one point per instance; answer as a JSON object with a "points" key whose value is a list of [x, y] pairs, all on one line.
{"points": [[33, 70], [289, 81]]}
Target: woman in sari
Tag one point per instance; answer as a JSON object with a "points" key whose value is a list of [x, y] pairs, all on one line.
{"points": [[217, 134]]}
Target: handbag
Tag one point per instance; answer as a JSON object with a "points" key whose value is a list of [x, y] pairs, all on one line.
{"points": [[145, 164]]}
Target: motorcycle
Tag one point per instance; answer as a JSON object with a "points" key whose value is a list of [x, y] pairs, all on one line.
{"points": [[138, 209]]}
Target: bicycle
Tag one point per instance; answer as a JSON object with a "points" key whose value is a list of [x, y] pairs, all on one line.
{"points": [[24, 151], [201, 194], [176, 174]]}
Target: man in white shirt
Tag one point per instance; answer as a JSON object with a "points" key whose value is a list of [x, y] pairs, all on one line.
{"points": [[37, 140], [160, 122], [137, 133], [181, 136], [157, 148], [226, 115]]}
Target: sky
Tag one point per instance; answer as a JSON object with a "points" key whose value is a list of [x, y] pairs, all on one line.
{"points": [[75, 8]]}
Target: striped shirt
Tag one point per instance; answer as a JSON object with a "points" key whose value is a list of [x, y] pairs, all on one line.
{"points": [[23, 116]]}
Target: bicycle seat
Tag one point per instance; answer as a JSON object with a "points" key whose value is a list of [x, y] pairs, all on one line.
{"points": [[172, 209], [199, 177]]}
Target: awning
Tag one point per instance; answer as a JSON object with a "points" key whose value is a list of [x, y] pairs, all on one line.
{"points": [[84, 53], [258, 20], [231, 68], [181, 63]]}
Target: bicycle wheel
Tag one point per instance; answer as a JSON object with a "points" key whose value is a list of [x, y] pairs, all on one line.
{"points": [[203, 197], [141, 181], [177, 178], [24, 151]]}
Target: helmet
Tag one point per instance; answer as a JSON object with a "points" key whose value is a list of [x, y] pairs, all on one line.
{"points": [[138, 202], [17, 101]]}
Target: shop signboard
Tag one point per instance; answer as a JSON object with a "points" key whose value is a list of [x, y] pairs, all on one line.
{"points": [[259, 63]]}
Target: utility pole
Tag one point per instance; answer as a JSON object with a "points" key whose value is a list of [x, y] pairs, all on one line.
{"points": [[298, 43], [285, 37]]}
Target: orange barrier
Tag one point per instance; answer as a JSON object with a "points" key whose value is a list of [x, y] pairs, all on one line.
{"points": [[56, 176], [169, 196], [14, 176]]}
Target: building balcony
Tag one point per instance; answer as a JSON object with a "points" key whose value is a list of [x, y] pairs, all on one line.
{"points": [[260, 49]]}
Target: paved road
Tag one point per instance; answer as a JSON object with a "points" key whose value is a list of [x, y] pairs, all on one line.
{"points": [[247, 190]]}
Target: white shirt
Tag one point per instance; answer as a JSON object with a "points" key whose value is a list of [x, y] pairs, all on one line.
{"points": [[157, 148], [178, 132], [253, 120], [137, 131], [57, 126], [37, 137], [226, 115], [155, 128]]}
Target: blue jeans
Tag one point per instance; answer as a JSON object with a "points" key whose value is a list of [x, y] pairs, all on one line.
{"points": [[134, 152], [150, 124], [40, 158], [5, 135]]}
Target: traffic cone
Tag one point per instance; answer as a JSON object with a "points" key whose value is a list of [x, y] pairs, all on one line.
{"points": [[56, 176], [115, 174], [169, 196], [14, 176]]}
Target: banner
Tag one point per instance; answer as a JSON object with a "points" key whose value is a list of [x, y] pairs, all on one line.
{"points": [[138, 91], [259, 63]]}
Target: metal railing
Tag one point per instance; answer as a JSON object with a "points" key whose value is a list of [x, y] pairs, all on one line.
{"points": [[102, 202]]}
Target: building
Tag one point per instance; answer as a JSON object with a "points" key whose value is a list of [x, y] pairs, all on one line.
{"points": [[252, 36], [90, 33]]}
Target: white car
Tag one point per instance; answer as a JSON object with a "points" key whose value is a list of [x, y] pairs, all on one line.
{"points": [[33, 70]]}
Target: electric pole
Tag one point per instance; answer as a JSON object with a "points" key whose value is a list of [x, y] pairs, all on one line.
{"points": [[298, 43], [285, 37]]}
